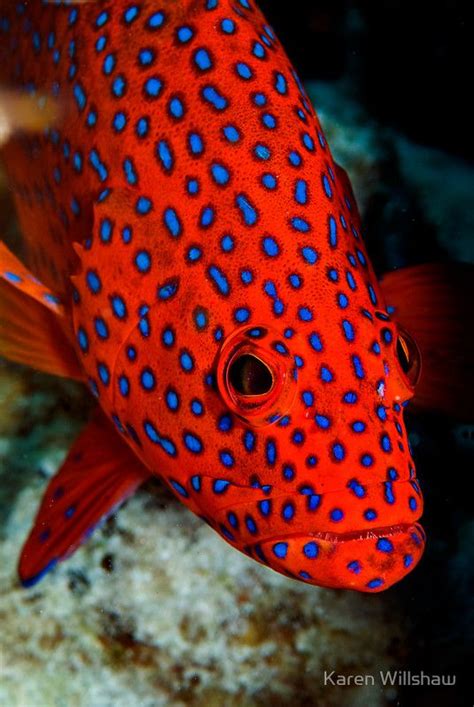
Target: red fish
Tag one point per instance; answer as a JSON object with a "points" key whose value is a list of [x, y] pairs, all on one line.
{"points": [[193, 253]]}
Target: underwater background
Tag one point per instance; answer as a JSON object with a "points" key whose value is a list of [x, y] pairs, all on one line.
{"points": [[156, 609]]}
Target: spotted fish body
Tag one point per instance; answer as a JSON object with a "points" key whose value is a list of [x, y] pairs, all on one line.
{"points": [[191, 199]]}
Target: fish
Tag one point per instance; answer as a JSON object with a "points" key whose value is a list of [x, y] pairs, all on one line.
{"points": [[193, 254]]}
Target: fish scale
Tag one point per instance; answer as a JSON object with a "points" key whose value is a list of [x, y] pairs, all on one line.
{"points": [[187, 208]]}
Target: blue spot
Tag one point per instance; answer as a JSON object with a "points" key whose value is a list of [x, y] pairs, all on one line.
{"points": [[280, 550], [219, 279], [178, 488], [167, 290], [118, 306], [93, 281], [315, 342], [308, 142], [262, 152], [101, 328], [309, 255], [154, 436], [124, 385], [80, 96], [367, 460], [370, 514], [358, 368], [311, 550], [249, 441], [231, 133], [193, 443], [143, 205], [251, 525], [338, 452], [269, 121], [322, 421], [242, 315], [156, 20], [146, 57], [102, 19], [98, 165], [270, 246], [194, 254], [288, 511], [109, 64], [226, 458], [220, 174], [269, 181], [385, 443], [82, 339], [172, 222], [350, 280], [212, 96], [280, 83], [143, 261], [131, 13], [196, 144], [192, 186], [348, 331], [147, 379], [220, 486], [153, 87], [260, 99], [172, 400], [407, 560], [202, 60], [301, 191], [119, 122], [142, 127], [104, 373], [327, 187], [357, 488], [185, 34], [119, 86], [305, 314], [388, 492], [165, 155], [244, 71], [196, 483], [412, 503], [336, 515], [384, 545], [374, 583], [228, 26], [354, 567], [186, 361], [176, 108], [325, 375], [358, 426], [130, 172], [300, 225], [227, 243]]}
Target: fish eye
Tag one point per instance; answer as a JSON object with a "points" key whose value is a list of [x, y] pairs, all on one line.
{"points": [[409, 357], [257, 375], [249, 375]]}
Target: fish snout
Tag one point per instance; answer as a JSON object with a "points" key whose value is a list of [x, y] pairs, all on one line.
{"points": [[366, 561]]}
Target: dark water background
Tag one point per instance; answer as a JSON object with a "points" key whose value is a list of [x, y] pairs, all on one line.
{"points": [[410, 65]]}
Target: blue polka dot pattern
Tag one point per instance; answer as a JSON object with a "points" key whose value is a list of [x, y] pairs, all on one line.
{"points": [[209, 218]]}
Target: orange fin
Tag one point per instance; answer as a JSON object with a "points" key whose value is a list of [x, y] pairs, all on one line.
{"points": [[433, 302], [33, 322], [99, 473]]}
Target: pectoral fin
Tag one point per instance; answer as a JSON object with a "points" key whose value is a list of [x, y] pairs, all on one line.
{"points": [[99, 473]]}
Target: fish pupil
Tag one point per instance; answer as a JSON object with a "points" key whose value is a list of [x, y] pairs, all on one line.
{"points": [[248, 375]]}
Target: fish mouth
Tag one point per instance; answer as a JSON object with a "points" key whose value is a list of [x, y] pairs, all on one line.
{"points": [[366, 561]]}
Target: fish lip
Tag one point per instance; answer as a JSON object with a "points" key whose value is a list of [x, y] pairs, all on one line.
{"points": [[385, 531]]}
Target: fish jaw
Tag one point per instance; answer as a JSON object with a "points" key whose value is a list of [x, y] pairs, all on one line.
{"points": [[368, 561]]}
